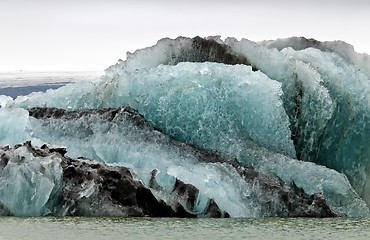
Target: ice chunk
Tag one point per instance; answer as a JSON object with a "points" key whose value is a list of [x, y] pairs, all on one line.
{"points": [[191, 102], [312, 178], [341, 48], [344, 144], [4, 100], [29, 186], [122, 137], [14, 126], [306, 102]]}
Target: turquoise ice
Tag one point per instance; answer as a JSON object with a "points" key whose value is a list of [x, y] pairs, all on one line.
{"points": [[301, 112]]}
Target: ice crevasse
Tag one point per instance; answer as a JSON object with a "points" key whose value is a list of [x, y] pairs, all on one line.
{"points": [[293, 108]]}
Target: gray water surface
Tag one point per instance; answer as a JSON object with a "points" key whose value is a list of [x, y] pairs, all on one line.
{"points": [[171, 228]]}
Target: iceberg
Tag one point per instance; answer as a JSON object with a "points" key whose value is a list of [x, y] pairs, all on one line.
{"points": [[84, 187], [29, 183], [295, 110]]}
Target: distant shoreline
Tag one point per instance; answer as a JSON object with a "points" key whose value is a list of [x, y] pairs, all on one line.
{"points": [[13, 79]]}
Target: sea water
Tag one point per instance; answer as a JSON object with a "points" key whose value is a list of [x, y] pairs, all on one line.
{"points": [[81, 228]]}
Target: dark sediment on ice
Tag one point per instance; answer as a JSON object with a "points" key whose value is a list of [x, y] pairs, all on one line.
{"points": [[293, 201], [209, 50], [92, 188], [4, 211], [116, 192], [195, 49]]}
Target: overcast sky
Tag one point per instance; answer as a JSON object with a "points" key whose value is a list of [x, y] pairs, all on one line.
{"points": [[96, 33]]}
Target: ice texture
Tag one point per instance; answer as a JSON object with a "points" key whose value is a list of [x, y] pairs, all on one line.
{"points": [[313, 178], [29, 185], [345, 50], [95, 135], [191, 102], [307, 103], [345, 142], [92, 188], [326, 96], [239, 191], [14, 126], [296, 108]]}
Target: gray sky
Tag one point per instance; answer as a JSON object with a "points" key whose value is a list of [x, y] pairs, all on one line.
{"points": [[83, 34]]}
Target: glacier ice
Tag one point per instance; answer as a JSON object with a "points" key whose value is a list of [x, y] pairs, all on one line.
{"points": [[95, 134], [29, 185], [216, 186], [350, 91], [326, 96], [345, 50], [33, 187], [14, 126], [296, 108], [185, 99], [307, 103]]}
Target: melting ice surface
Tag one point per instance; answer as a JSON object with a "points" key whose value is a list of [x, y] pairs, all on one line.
{"points": [[29, 185], [296, 108]]}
